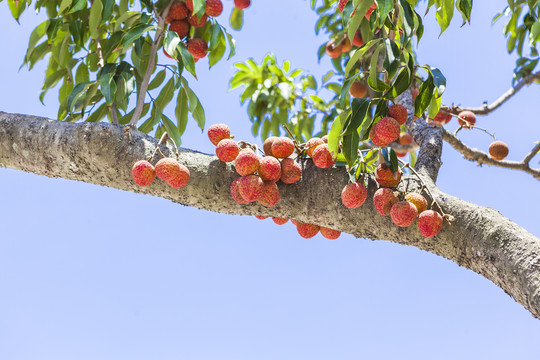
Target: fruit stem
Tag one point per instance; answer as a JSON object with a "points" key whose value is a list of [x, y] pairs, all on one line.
{"points": [[163, 138], [476, 127]]}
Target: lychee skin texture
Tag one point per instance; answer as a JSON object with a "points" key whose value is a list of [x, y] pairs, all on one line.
{"points": [[269, 169], [333, 50], [267, 145], [181, 27], [251, 187], [370, 10], [468, 116], [197, 48], [242, 4], [358, 89], [218, 132], [227, 150], [325, 139], [282, 147], [143, 173], [386, 130], [291, 171], [353, 195], [213, 8], [330, 234], [197, 22], [167, 168], [384, 199], [346, 45], [189, 4], [270, 194], [498, 150], [178, 11], [246, 163], [311, 144], [307, 230], [235, 192], [181, 179], [279, 221], [385, 176], [403, 213], [418, 200], [429, 223], [261, 217], [398, 112], [441, 118], [322, 157], [341, 4], [357, 39]]}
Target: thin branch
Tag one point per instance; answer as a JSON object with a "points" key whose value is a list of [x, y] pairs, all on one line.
{"points": [[527, 159]]}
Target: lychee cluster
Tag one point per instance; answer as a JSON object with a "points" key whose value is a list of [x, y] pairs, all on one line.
{"points": [[167, 169], [306, 230], [317, 149]]}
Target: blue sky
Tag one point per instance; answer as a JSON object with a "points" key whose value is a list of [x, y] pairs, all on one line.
{"points": [[89, 272]]}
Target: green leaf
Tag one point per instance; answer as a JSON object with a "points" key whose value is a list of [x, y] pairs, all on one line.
{"points": [[390, 158], [360, 108], [350, 148], [425, 94], [95, 18], [157, 81], [17, 7], [444, 14], [98, 114], [135, 33], [237, 18], [181, 111], [77, 92], [438, 79], [107, 84], [165, 95], [335, 132], [358, 54], [172, 130]]}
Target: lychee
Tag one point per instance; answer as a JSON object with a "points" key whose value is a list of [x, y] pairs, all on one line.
{"points": [[405, 139], [333, 50], [341, 4], [181, 27], [325, 139], [346, 45], [358, 89], [307, 230], [218, 132], [403, 213], [414, 93], [322, 157], [189, 4], [197, 48], [235, 192], [469, 117], [143, 173], [291, 171], [270, 195], [197, 22], [386, 130], [498, 150], [246, 163], [330, 234], [282, 147], [167, 168], [357, 39], [227, 150], [242, 4], [267, 145], [353, 195], [311, 144], [385, 177], [429, 223], [269, 168], [180, 179], [251, 187], [279, 221], [178, 11], [370, 10], [261, 217], [213, 8], [384, 199], [418, 200], [443, 117], [398, 112]]}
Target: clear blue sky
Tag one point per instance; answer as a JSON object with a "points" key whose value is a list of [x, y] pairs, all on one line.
{"points": [[88, 272]]}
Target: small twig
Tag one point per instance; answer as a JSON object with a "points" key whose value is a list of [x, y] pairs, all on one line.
{"points": [[530, 155], [163, 138], [296, 143]]}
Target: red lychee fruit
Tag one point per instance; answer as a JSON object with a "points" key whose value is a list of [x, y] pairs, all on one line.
{"points": [[353, 195], [403, 213], [386, 130], [189, 4], [218, 132], [322, 157], [180, 179], [370, 10], [443, 117], [242, 4], [269, 169], [213, 8], [251, 187], [311, 144], [385, 176], [341, 4], [405, 139], [181, 27], [330, 234], [307, 230], [384, 199], [235, 192], [469, 117], [178, 11], [398, 112], [294, 222], [418, 200], [358, 89], [333, 50], [346, 45], [498, 150], [143, 173], [197, 48], [167, 168], [291, 171], [261, 217], [227, 150], [414, 93], [279, 221], [282, 147], [325, 139], [246, 163], [357, 39], [270, 195], [267, 145], [429, 223], [197, 22]]}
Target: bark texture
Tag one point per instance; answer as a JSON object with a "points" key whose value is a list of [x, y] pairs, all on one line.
{"points": [[480, 239]]}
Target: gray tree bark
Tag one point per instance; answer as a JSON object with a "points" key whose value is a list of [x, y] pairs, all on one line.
{"points": [[480, 238]]}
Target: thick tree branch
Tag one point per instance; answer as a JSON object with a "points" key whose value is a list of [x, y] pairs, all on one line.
{"points": [[480, 238]]}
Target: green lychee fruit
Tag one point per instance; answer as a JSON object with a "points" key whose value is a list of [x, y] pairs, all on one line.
{"points": [[469, 117], [384, 199], [311, 144], [251, 187], [180, 179], [167, 168], [213, 8], [181, 27], [218, 132], [330, 234], [386, 130], [227, 150], [279, 221], [291, 171], [197, 48], [246, 163], [398, 112], [270, 195], [353, 195], [267, 145], [498, 150], [235, 192], [143, 173], [307, 230], [385, 177], [322, 157], [403, 213], [269, 169], [242, 4], [282, 147], [418, 200], [429, 223]]}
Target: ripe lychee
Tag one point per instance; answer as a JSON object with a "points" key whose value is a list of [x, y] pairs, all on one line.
{"points": [[353, 195], [498, 150], [333, 50], [242, 4], [341, 4], [197, 22], [469, 117], [246, 163], [358, 89], [218, 132], [270, 195], [279, 221], [311, 144], [370, 10], [322, 157], [403, 213], [386, 130], [405, 139], [443, 117], [178, 11], [429, 223], [385, 177], [294, 222], [418, 200], [357, 39], [291, 171], [181, 27], [251, 187], [167, 168], [414, 93], [282, 147], [267, 145], [197, 48], [143, 173], [261, 217], [227, 150], [330, 234], [180, 179], [189, 4], [307, 230], [269, 169], [398, 112], [325, 139], [346, 45], [384, 199], [213, 8], [235, 192]]}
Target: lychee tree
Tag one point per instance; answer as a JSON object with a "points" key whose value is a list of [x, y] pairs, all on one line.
{"points": [[114, 89]]}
